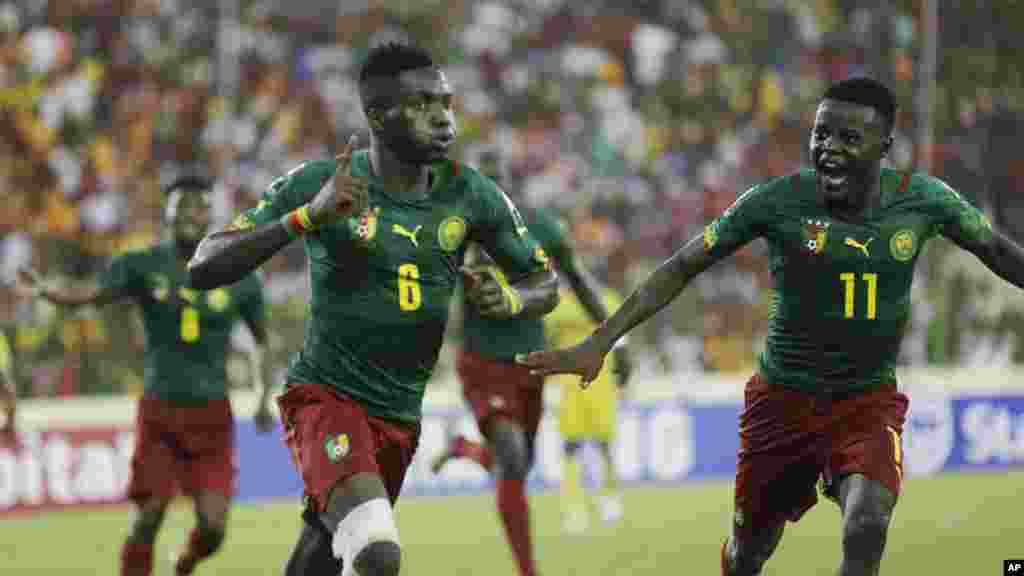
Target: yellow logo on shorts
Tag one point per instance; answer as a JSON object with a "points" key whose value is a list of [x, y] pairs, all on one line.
{"points": [[337, 447]]}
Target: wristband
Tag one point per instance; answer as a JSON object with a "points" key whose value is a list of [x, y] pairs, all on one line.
{"points": [[512, 299], [297, 222]]}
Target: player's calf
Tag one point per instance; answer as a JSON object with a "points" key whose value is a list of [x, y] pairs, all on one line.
{"points": [[312, 553], [745, 554], [137, 551], [209, 533], [510, 449], [867, 509]]}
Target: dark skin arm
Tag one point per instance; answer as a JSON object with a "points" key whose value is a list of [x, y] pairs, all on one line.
{"points": [[227, 256], [71, 295], [655, 293], [1001, 255], [589, 295], [263, 419], [537, 293]]}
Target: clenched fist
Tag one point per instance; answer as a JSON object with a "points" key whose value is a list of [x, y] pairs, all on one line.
{"points": [[343, 195], [488, 290]]}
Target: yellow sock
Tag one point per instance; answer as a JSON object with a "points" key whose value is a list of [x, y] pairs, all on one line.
{"points": [[572, 493], [611, 474]]}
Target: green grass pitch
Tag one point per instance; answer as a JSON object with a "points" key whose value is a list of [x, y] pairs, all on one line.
{"points": [[949, 525]]}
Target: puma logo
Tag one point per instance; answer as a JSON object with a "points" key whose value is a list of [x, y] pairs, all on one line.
{"points": [[862, 247], [403, 231]]}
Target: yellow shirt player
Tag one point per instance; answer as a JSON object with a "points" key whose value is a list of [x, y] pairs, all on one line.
{"points": [[588, 415], [8, 390]]}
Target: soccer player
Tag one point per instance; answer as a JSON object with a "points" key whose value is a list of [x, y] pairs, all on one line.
{"points": [[184, 429], [586, 416], [505, 399], [385, 231], [8, 390], [843, 239]]}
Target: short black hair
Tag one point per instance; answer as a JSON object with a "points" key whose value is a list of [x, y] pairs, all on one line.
{"points": [[393, 58], [188, 183], [866, 92]]}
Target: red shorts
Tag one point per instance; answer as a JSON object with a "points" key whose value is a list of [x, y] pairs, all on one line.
{"points": [[788, 439], [331, 438], [182, 448], [495, 388]]}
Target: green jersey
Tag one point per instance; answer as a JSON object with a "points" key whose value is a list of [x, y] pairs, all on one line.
{"points": [[502, 339], [187, 331], [842, 289], [382, 281]]}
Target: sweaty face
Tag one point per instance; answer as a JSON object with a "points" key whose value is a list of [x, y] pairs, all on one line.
{"points": [[191, 215], [847, 144], [420, 127]]}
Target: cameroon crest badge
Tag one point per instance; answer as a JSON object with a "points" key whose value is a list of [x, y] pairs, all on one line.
{"points": [[815, 236], [903, 245], [364, 227]]}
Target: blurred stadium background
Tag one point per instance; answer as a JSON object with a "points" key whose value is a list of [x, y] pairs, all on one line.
{"points": [[638, 121]]}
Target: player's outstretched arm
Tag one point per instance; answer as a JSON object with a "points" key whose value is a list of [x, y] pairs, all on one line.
{"points": [[1001, 255], [588, 292], [656, 292], [70, 295], [226, 257]]}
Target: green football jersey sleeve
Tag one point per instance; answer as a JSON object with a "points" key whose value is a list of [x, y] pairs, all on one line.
{"points": [[502, 339], [956, 218]]}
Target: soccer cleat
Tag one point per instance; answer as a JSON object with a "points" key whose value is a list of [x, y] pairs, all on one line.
{"points": [[611, 507]]}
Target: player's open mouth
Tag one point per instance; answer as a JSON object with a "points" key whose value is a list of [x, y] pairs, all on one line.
{"points": [[443, 141], [833, 174]]}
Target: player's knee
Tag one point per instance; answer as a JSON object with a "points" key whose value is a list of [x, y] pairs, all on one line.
{"points": [[212, 523], [866, 529], [747, 558], [379, 559], [511, 453], [367, 540], [149, 516]]}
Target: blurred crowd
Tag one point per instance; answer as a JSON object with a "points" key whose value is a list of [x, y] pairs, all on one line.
{"points": [[637, 122]]}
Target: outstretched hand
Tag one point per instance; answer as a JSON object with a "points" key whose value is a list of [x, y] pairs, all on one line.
{"points": [[343, 195], [585, 359], [28, 282]]}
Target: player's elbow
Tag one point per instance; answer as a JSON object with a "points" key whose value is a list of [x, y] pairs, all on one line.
{"points": [[203, 270]]}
